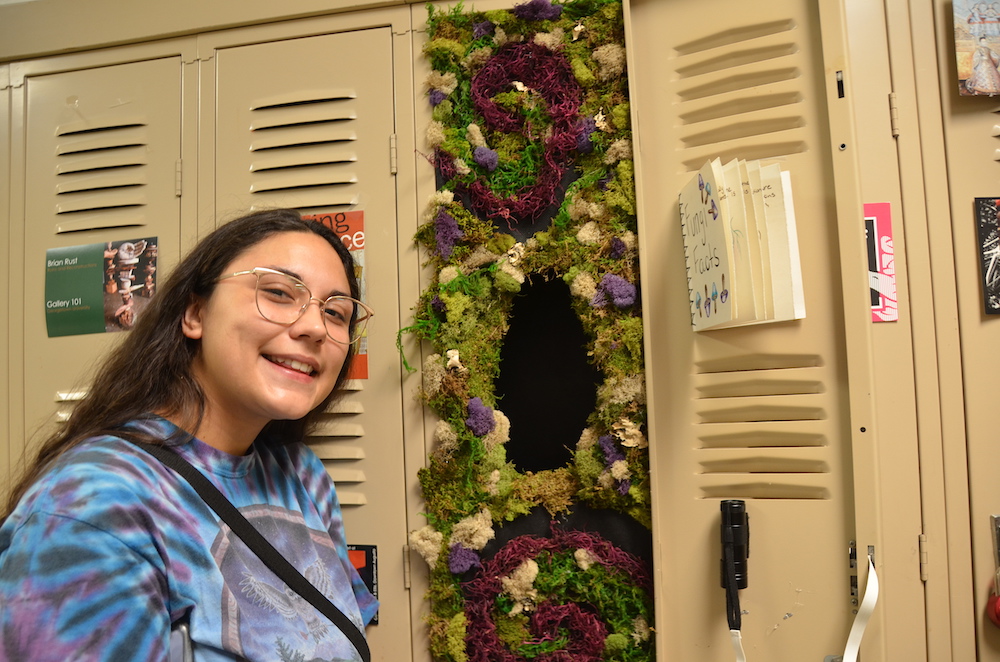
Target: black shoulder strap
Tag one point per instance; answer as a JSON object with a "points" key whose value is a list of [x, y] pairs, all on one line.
{"points": [[257, 543]]}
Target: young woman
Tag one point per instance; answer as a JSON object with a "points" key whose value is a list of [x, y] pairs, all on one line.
{"points": [[103, 548]]}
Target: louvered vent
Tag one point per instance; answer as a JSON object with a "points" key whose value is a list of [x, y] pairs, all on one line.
{"points": [[737, 95], [761, 428], [101, 173], [761, 419], [337, 441], [303, 150]]}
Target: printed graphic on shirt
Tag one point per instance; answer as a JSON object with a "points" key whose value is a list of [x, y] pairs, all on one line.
{"points": [[262, 618]]}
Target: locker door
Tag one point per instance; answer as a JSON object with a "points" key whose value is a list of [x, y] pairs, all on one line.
{"points": [[297, 126], [101, 152], [775, 414], [7, 314]]}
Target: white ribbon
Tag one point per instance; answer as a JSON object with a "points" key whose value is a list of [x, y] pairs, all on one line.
{"points": [[863, 616]]}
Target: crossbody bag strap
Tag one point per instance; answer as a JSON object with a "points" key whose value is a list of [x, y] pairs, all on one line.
{"points": [[273, 559]]}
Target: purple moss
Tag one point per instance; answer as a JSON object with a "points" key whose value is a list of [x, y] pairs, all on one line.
{"points": [[586, 127], [624, 486], [480, 419], [617, 249], [436, 97], [483, 29], [621, 292], [446, 233], [486, 157], [462, 559], [538, 10], [611, 451], [437, 305]]}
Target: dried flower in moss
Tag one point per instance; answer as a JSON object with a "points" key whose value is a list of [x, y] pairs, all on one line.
{"points": [[629, 435], [474, 531], [446, 82], [610, 59], [589, 234], [432, 374], [427, 542], [550, 40], [583, 286], [445, 438], [519, 585], [475, 136], [584, 558], [617, 151], [435, 133]]}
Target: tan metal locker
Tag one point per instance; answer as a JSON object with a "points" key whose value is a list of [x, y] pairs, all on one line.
{"points": [[965, 130], [8, 314], [309, 123], [102, 148], [779, 414]]}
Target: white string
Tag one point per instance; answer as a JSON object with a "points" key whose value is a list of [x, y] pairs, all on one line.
{"points": [[864, 614], [737, 639]]}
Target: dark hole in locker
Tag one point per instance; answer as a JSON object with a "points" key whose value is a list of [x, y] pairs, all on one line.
{"points": [[547, 387]]}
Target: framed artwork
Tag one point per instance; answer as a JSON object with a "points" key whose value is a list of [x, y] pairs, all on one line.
{"points": [[988, 233], [977, 47]]}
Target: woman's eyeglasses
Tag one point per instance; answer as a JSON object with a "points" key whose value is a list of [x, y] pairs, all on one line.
{"points": [[283, 299]]}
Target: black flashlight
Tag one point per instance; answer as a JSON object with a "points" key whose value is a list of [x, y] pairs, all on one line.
{"points": [[735, 543]]}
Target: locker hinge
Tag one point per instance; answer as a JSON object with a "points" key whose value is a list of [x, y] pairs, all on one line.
{"points": [[406, 567], [392, 154], [893, 115], [922, 546], [178, 171]]}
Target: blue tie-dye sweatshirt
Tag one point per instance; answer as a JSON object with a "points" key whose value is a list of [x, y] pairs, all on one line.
{"points": [[110, 547]]}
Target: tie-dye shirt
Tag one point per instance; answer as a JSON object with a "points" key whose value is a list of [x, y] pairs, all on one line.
{"points": [[110, 547]]}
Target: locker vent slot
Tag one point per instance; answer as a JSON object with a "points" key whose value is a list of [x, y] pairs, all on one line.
{"points": [[101, 167], [303, 147], [760, 428], [750, 72], [337, 440]]}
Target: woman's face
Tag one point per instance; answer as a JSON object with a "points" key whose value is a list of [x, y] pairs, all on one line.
{"points": [[254, 371]]}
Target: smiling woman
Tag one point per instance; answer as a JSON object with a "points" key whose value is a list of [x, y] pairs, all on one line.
{"points": [[235, 368]]}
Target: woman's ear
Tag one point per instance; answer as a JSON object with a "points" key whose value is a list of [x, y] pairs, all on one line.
{"points": [[191, 322]]}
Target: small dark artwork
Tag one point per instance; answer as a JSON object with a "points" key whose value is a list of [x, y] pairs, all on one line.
{"points": [[988, 226]]}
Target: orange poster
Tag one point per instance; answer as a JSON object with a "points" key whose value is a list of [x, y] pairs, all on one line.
{"points": [[350, 227]]}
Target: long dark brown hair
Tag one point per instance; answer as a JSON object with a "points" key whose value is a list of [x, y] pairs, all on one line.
{"points": [[165, 384]]}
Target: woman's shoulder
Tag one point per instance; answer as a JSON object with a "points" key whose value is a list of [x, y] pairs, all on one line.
{"points": [[98, 475]]}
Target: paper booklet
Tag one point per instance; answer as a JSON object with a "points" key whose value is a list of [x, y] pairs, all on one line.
{"points": [[740, 245]]}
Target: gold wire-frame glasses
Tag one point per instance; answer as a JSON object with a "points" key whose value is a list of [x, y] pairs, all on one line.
{"points": [[282, 298]]}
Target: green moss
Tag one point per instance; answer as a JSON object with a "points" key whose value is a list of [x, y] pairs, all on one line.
{"points": [[505, 282], [442, 111], [615, 645], [476, 312], [620, 116], [588, 466], [513, 630], [456, 638], [582, 73]]}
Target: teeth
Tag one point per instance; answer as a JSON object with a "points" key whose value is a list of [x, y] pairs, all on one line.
{"points": [[294, 365]]}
